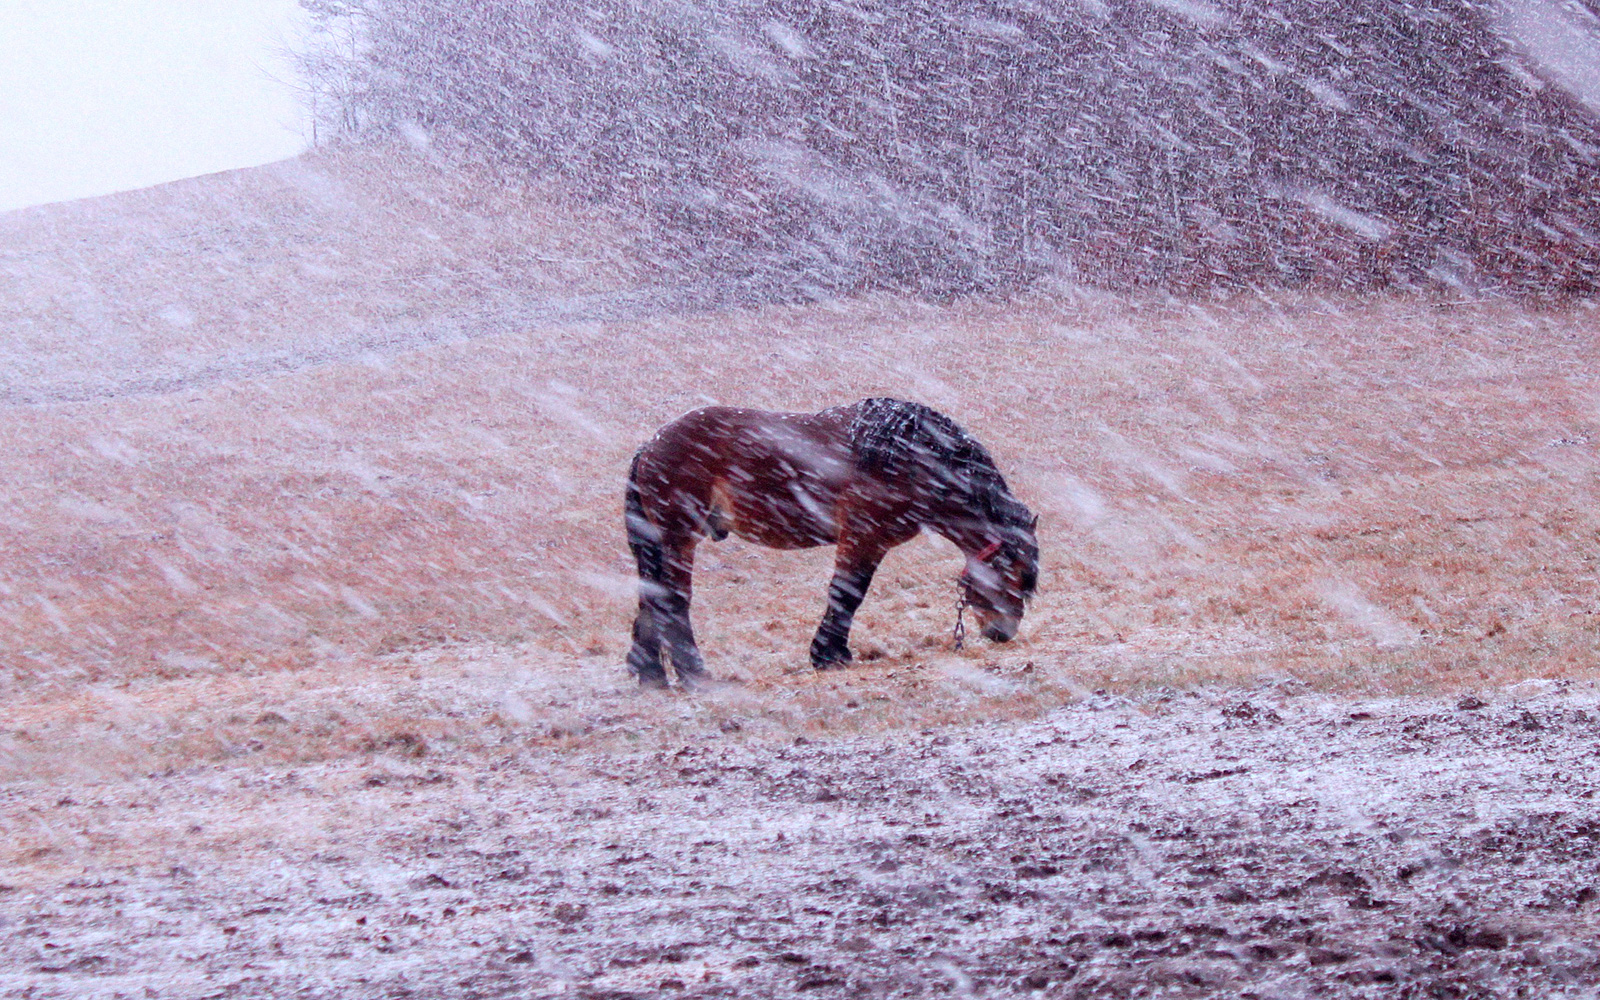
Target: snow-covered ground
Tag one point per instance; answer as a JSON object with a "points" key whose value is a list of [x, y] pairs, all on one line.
{"points": [[1244, 843], [313, 602]]}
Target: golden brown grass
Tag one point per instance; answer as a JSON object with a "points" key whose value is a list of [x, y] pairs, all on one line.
{"points": [[1358, 495]]}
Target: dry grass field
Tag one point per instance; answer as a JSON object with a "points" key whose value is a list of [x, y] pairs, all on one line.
{"points": [[321, 465]]}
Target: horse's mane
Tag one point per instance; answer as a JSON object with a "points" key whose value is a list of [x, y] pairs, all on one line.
{"points": [[888, 434]]}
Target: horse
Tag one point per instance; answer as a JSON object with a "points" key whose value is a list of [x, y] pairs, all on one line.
{"points": [[866, 477]]}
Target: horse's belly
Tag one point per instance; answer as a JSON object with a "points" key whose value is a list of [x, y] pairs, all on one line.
{"points": [[788, 518]]}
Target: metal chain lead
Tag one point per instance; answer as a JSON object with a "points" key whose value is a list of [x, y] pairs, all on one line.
{"points": [[961, 625]]}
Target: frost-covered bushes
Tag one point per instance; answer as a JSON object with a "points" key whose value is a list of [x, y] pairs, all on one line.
{"points": [[957, 144]]}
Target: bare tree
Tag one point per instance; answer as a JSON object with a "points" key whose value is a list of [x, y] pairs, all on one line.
{"points": [[949, 145]]}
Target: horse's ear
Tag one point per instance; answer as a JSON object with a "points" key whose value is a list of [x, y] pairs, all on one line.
{"points": [[1033, 525]]}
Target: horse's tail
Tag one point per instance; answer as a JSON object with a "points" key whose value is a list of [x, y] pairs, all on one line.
{"points": [[644, 538]]}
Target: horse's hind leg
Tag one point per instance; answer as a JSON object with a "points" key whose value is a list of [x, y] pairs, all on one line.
{"points": [[644, 539], [672, 614], [644, 659]]}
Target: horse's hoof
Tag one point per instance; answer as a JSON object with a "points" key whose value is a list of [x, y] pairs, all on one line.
{"points": [[691, 680], [647, 668], [829, 654]]}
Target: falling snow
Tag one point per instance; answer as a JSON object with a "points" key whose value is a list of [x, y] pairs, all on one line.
{"points": [[315, 593]]}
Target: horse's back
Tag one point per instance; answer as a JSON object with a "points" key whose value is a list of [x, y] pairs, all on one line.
{"points": [[706, 439], [724, 437], [768, 476]]}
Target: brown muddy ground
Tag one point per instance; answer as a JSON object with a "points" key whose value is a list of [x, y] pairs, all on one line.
{"points": [[1255, 844], [313, 603]]}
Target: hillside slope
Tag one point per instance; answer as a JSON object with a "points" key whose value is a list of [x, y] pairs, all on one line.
{"points": [[1373, 494], [275, 268], [314, 598]]}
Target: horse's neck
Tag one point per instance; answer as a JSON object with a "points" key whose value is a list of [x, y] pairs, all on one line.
{"points": [[964, 524]]}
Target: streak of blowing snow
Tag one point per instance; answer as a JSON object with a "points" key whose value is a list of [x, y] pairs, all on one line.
{"points": [[1564, 39]]}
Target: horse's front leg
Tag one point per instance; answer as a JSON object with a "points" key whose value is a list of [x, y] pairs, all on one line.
{"points": [[852, 575]]}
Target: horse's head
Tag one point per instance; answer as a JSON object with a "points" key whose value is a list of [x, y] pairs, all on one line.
{"points": [[1000, 579]]}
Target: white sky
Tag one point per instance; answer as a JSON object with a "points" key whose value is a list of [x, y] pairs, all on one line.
{"points": [[99, 96]]}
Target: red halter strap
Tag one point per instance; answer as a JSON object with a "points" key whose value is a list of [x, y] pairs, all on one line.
{"points": [[988, 551]]}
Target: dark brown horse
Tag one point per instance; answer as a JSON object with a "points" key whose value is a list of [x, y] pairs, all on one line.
{"points": [[866, 477]]}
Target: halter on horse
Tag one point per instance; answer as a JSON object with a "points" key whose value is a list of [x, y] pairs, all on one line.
{"points": [[865, 477]]}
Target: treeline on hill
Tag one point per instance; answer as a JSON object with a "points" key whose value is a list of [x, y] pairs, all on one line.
{"points": [[950, 145]]}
